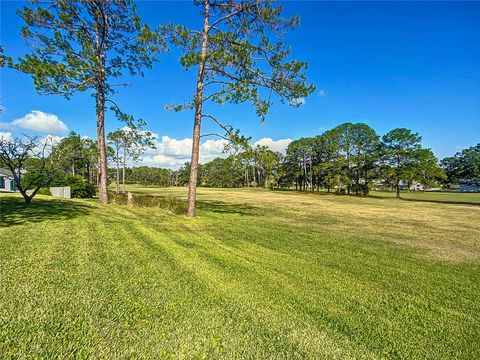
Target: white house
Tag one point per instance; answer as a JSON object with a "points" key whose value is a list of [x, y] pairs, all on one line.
{"points": [[7, 183]]}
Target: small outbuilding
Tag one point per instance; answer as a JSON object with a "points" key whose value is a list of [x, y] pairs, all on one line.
{"points": [[7, 182], [469, 186]]}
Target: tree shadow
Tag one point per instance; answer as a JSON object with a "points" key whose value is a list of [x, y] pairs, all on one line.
{"points": [[371, 196], [452, 202], [13, 210], [443, 201], [226, 208]]}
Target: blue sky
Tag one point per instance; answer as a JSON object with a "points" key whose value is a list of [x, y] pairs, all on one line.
{"points": [[388, 64]]}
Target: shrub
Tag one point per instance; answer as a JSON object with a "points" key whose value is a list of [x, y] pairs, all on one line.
{"points": [[44, 191], [117, 199], [171, 203], [80, 187]]}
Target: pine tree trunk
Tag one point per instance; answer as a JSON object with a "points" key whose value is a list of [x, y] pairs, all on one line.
{"points": [[311, 175], [102, 151], [192, 185], [117, 182], [102, 182], [124, 166], [304, 176]]}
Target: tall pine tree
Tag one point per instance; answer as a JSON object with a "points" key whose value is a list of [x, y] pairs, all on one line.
{"points": [[240, 57], [81, 46]]}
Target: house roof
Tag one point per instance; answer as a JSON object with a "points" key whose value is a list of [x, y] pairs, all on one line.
{"points": [[5, 172]]}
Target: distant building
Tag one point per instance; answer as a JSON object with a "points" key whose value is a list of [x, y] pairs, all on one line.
{"points": [[403, 185], [413, 185], [469, 186], [7, 183]]}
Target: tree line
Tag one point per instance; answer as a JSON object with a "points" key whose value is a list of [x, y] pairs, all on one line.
{"points": [[350, 158], [240, 55]]}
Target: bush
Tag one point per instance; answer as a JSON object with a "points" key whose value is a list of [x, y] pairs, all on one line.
{"points": [[171, 203], [44, 191], [117, 199], [80, 187]]}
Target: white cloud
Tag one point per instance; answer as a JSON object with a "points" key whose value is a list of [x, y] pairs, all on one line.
{"points": [[274, 145], [5, 135], [48, 140], [51, 140], [6, 126], [298, 101], [40, 121], [322, 93], [173, 153], [47, 143]]}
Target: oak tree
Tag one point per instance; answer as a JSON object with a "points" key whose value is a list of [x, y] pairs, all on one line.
{"points": [[19, 153]]}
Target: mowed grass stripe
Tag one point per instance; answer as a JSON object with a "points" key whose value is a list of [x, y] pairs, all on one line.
{"points": [[256, 299]]}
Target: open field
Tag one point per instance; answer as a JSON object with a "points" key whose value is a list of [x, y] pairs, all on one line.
{"points": [[257, 274]]}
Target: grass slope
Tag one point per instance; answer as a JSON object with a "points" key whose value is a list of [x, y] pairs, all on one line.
{"points": [[257, 275]]}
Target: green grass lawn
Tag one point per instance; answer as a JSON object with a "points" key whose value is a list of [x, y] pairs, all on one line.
{"points": [[257, 274]]}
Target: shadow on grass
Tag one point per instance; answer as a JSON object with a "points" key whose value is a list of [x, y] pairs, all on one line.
{"points": [[370, 196], [452, 202], [13, 210], [226, 208]]}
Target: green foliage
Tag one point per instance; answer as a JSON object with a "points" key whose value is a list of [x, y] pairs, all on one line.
{"points": [[76, 156], [406, 161], [343, 158], [182, 175], [171, 203], [225, 173], [76, 48], [146, 175], [247, 56], [463, 165], [44, 191], [27, 160], [130, 143], [117, 199], [80, 187], [349, 158], [39, 173], [79, 46], [426, 169]]}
